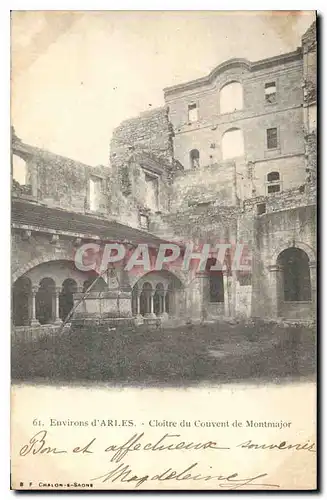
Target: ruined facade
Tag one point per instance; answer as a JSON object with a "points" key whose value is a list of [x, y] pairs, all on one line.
{"points": [[231, 157]]}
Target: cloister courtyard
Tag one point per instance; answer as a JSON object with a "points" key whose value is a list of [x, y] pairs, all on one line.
{"points": [[214, 352]]}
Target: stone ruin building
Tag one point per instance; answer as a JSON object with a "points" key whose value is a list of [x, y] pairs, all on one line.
{"points": [[230, 156]]}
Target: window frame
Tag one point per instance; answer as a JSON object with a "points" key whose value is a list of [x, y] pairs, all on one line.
{"points": [[261, 208], [146, 216], [189, 104], [99, 179], [156, 177], [26, 170], [267, 103], [277, 139], [191, 159], [278, 182]]}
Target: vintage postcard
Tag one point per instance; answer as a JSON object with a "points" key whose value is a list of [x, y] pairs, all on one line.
{"points": [[163, 250]]}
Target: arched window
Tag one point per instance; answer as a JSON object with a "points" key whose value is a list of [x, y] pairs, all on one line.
{"points": [[232, 144], [66, 297], [158, 299], [21, 301], [273, 179], [45, 301], [195, 158], [273, 176], [294, 263], [19, 170], [231, 97], [146, 299]]}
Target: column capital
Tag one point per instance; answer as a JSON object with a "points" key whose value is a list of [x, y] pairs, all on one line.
{"points": [[275, 268], [58, 290], [312, 264], [35, 289], [54, 239], [77, 242], [26, 234]]}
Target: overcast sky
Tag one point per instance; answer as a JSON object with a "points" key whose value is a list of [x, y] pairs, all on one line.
{"points": [[77, 75]]}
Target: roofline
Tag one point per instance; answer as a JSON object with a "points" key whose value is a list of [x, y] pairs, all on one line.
{"points": [[236, 62], [111, 225]]}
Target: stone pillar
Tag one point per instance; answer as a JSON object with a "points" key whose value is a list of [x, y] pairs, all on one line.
{"points": [[275, 272], [150, 296], [57, 319], [34, 321], [138, 317], [226, 294], [163, 312], [313, 280], [234, 308]]}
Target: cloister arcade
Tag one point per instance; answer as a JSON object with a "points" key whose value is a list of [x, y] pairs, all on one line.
{"points": [[158, 294], [45, 294]]}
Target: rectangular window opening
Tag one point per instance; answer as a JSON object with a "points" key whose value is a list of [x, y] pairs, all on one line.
{"points": [[151, 191], [261, 208], [144, 222], [270, 93], [95, 185], [272, 140], [274, 188], [192, 113]]}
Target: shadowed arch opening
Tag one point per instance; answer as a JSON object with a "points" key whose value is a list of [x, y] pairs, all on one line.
{"points": [[158, 293], [194, 158], [145, 299], [21, 301], [159, 296], [295, 280], [66, 297], [45, 301]]}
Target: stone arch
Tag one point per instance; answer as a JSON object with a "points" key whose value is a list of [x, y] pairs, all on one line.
{"points": [[296, 284], [21, 301], [146, 295], [170, 294], [194, 158], [158, 298], [66, 297], [293, 243], [295, 304], [139, 274], [53, 256], [46, 301], [231, 97]]}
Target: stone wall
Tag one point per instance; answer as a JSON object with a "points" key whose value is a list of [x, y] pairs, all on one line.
{"points": [[255, 117], [275, 232], [61, 182], [150, 132], [37, 249], [309, 44], [139, 145]]}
